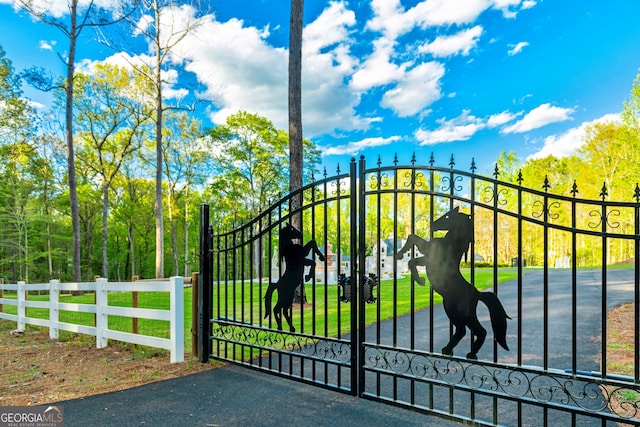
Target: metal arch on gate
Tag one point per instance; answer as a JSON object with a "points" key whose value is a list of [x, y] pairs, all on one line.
{"points": [[395, 345], [246, 328]]}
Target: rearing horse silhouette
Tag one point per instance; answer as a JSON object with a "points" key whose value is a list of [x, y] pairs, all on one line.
{"points": [[295, 258], [441, 257]]}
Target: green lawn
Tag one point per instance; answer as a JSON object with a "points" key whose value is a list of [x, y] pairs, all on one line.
{"points": [[153, 300], [324, 315]]}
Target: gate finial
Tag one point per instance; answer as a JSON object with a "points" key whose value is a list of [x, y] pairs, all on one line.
{"points": [[604, 192], [574, 188]]}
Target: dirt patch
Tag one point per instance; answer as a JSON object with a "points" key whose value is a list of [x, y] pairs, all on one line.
{"points": [[620, 359], [35, 370], [620, 339]]}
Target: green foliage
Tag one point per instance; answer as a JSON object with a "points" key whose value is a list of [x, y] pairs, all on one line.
{"points": [[240, 167], [251, 167]]}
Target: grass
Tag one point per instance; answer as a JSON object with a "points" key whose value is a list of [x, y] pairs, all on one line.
{"points": [[152, 300], [325, 315]]}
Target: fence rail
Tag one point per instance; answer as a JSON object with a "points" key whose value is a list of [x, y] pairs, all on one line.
{"points": [[102, 310]]}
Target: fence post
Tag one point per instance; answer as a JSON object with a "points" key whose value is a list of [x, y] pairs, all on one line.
{"points": [[194, 316], [134, 304], [102, 322], [22, 311], [54, 311], [1, 294], [176, 332]]}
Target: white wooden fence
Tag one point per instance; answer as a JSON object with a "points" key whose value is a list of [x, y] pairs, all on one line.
{"points": [[102, 309]]}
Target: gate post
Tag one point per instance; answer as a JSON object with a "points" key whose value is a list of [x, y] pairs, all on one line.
{"points": [[204, 287], [356, 366], [361, 244]]}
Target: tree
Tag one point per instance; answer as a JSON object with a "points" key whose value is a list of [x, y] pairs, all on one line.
{"points": [[79, 18], [295, 105], [160, 27], [631, 107], [185, 160], [19, 163], [110, 125], [250, 163]]}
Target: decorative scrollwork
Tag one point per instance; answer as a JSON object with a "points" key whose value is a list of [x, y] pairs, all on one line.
{"points": [[412, 179], [598, 215], [548, 210], [613, 213], [449, 184], [607, 218], [244, 334], [625, 399], [378, 181], [313, 193], [339, 188], [499, 196], [583, 393]]}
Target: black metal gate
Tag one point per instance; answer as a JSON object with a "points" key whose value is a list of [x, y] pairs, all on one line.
{"points": [[363, 325]]}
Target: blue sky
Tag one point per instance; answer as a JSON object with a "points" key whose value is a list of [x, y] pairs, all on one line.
{"points": [[464, 77]]}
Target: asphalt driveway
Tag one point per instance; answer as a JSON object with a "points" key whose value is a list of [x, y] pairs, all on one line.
{"points": [[237, 396]]}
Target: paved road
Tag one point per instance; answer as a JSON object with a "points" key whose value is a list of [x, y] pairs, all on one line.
{"points": [[619, 290], [235, 396]]}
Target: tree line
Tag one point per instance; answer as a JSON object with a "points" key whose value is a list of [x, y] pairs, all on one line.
{"points": [[95, 185], [239, 166]]}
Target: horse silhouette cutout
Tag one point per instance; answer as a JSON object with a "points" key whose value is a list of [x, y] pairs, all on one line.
{"points": [[295, 258], [441, 257]]}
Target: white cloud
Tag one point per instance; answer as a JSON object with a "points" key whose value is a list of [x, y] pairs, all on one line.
{"points": [[143, 25], [238, 68], [242, 71], [47, 45], [448, 12], [378, 69], [538, 117], [509, 8], [460, 128], [501, 118], [568, 142], [392, 20], [417, 90], [355, 147], [36, 105], [517, 48], [460, 43], [329, 29]]}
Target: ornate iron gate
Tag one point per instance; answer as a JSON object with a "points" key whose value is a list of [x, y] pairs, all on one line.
{"points": [[363, 323]]}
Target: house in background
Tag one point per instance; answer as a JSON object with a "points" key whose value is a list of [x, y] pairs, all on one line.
{"points": [[386, 250]]}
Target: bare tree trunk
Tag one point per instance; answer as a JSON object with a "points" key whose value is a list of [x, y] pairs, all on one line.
{"points": [[158, 202], [295, 120], [295, 105], [174, 234], [105, 215], [132, 249], [73, 194]]}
